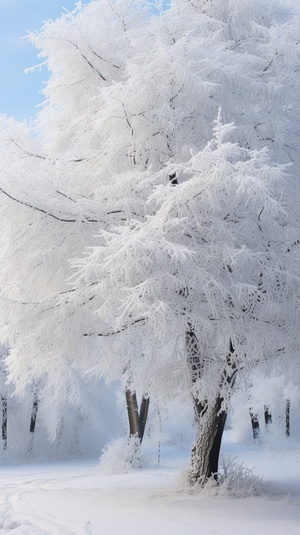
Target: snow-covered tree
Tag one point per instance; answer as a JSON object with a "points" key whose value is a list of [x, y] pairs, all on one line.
{"points": [[206, 287], [131, 96]]}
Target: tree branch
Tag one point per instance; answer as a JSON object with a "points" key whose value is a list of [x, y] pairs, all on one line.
{"points": [[41, 210], [102, 59], [61, 219], [112, 333], [82, 55]]}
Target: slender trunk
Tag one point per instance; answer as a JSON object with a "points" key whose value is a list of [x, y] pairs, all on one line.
{"points": [[35, 406], [254, 424], [143, 416], [133, 414], [287, 417], [268, 416], [4, 422], [137, 420]]}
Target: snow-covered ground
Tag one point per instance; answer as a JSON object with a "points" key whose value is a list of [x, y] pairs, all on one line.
{"points": [[75, 498]]}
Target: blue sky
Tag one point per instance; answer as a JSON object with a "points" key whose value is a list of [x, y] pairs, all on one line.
{"points": [[20, 92]]}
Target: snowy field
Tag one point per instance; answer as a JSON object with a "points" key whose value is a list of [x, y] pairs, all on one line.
{"points": [[75, 498]]}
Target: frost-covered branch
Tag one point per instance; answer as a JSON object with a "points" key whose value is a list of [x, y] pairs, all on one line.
{"points": [[41, 210], [82, 55], [117, 331]]}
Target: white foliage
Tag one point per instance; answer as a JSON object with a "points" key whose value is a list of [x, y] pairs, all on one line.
{"points": [[267, 388], [214, 256], [103, 262], [121, 456], [73, 420]]}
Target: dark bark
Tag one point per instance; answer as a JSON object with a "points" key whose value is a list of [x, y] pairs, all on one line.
{"points": [[137, 419], [206, 450], [133, 415], [4, 422], [254, 424], [173, 179], [143, 416], [35, 406], [268, 416], [287, 417], [211, 417]]}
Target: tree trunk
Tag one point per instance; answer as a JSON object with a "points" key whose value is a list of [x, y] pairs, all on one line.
{"points": [[4, 422], [143, 416], [268, 416], [211, 417], [137, 420], [133, 413], [287, 417], [35, 406], [206, 450], [254, 424]]}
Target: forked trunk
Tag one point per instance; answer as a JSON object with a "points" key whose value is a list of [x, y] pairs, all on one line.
{"points": [[137, 419]]}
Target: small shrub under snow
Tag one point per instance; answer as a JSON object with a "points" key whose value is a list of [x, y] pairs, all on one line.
{"points": [[234, 480], [121, 456]]}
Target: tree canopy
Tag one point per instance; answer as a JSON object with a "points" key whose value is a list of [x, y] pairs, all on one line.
{"points": [[149, 223]]}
